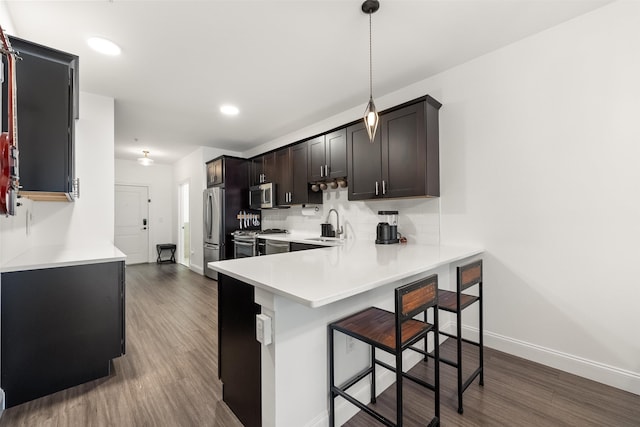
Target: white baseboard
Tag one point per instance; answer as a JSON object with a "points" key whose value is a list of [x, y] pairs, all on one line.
{"points": [[596, 371], [600, 372], [197, 269]]}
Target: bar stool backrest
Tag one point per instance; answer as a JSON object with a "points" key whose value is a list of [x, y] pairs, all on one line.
{"points": [[469, 275], [416, 298]]}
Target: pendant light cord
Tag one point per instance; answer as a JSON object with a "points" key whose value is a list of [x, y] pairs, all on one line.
{"points": [[370, 61]]}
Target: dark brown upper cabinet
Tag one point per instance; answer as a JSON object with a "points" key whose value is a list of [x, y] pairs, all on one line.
{"points": [[328, 156], [214, 172], [263, 169], [291, 167], [283, 177], [403, 160], [47, 107]]}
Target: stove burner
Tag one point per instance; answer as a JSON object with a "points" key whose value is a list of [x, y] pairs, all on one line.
{"points": [[245, 233]]}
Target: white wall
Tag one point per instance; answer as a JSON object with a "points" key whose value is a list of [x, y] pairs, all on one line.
{"points": [[539, 146], [539, 155], [159, 179], [89, 219], [191, 169], [539, 149]]}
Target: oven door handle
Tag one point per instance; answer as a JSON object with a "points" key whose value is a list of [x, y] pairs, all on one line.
{"points": [[243, 243]]}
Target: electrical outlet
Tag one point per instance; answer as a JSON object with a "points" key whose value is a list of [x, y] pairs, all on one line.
{"points": [[263, 329], [351, 343]]}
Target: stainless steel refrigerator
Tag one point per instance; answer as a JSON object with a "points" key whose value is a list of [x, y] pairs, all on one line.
{"points": [[213, 228]]}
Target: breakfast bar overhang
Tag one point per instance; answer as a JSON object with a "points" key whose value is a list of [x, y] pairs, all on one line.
{"points": [[302, 292]]}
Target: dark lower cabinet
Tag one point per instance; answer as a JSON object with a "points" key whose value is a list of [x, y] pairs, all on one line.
{"points": [[295, 246], [60, 327], [238, 350]]}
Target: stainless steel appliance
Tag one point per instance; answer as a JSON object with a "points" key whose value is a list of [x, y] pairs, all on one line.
{"points": [[213, 229], [262, 196], [245, 243], [276, 247]]}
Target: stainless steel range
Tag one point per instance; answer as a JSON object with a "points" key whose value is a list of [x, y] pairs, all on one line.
{"points": [[246, 243]]}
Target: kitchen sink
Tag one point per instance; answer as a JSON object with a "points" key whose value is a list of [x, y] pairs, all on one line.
{"points": [[325, 239]]}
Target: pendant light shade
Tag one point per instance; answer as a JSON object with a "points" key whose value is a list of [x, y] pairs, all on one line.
{"points": [[145, 161], [371, 117]]}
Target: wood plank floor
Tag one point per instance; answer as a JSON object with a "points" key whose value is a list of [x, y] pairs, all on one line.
{"points": [[169, 376]]}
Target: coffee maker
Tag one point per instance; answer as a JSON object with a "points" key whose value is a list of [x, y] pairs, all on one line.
{"points": [[387, 229]]}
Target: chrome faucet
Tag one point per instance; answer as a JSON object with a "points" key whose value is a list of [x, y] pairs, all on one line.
{"points": [[339, 230]]}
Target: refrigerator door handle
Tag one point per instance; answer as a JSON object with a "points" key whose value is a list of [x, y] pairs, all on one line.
{"points": [[210, 216]]}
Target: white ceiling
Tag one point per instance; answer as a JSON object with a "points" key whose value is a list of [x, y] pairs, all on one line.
{"points": [[285, 64]]}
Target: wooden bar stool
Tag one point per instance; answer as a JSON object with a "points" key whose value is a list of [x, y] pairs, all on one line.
{"points": [[454, 302], [392, 333]]}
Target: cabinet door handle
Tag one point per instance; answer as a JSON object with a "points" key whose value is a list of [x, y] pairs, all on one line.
{"points": [[376, 188], [384, 188], [326, 170], [321, 172]]}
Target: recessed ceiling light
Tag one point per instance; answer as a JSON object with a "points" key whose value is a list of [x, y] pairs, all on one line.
{"points": [[229, 110], [104, 46]]}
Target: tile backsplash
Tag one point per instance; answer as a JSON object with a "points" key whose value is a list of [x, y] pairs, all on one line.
{"points": [[418, 218]]}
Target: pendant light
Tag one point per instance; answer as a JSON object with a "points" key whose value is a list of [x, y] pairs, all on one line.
{"points": [[371, 117], [145, 161]]}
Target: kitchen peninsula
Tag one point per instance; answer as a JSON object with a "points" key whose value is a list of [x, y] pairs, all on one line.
{"points": [[285, 382]]}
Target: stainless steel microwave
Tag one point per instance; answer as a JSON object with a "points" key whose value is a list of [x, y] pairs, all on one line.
{"points": [[262, 196]]}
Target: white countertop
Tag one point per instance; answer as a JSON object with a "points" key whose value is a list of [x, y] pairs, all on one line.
{"points": [[62, 256], [321, 276]]}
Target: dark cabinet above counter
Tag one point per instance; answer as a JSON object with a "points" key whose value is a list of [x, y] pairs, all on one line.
{"points": [[403, 160], [263, 169], [328, 156], [47, 107], [291, 177]]}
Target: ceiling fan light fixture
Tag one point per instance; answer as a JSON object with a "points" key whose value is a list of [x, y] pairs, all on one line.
{"points": [[371, 113], [145, 161], [104, 46]]}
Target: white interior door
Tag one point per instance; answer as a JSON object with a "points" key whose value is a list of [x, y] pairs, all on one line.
{"points": [[184, 231], [132, 222]]}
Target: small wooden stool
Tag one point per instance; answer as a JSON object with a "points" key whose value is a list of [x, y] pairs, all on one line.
{"points": [[166, 246]]}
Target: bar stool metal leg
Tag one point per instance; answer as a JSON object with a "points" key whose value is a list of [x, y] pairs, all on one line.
{"points": [[459, 355], [373, 374], [332, 394]]}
